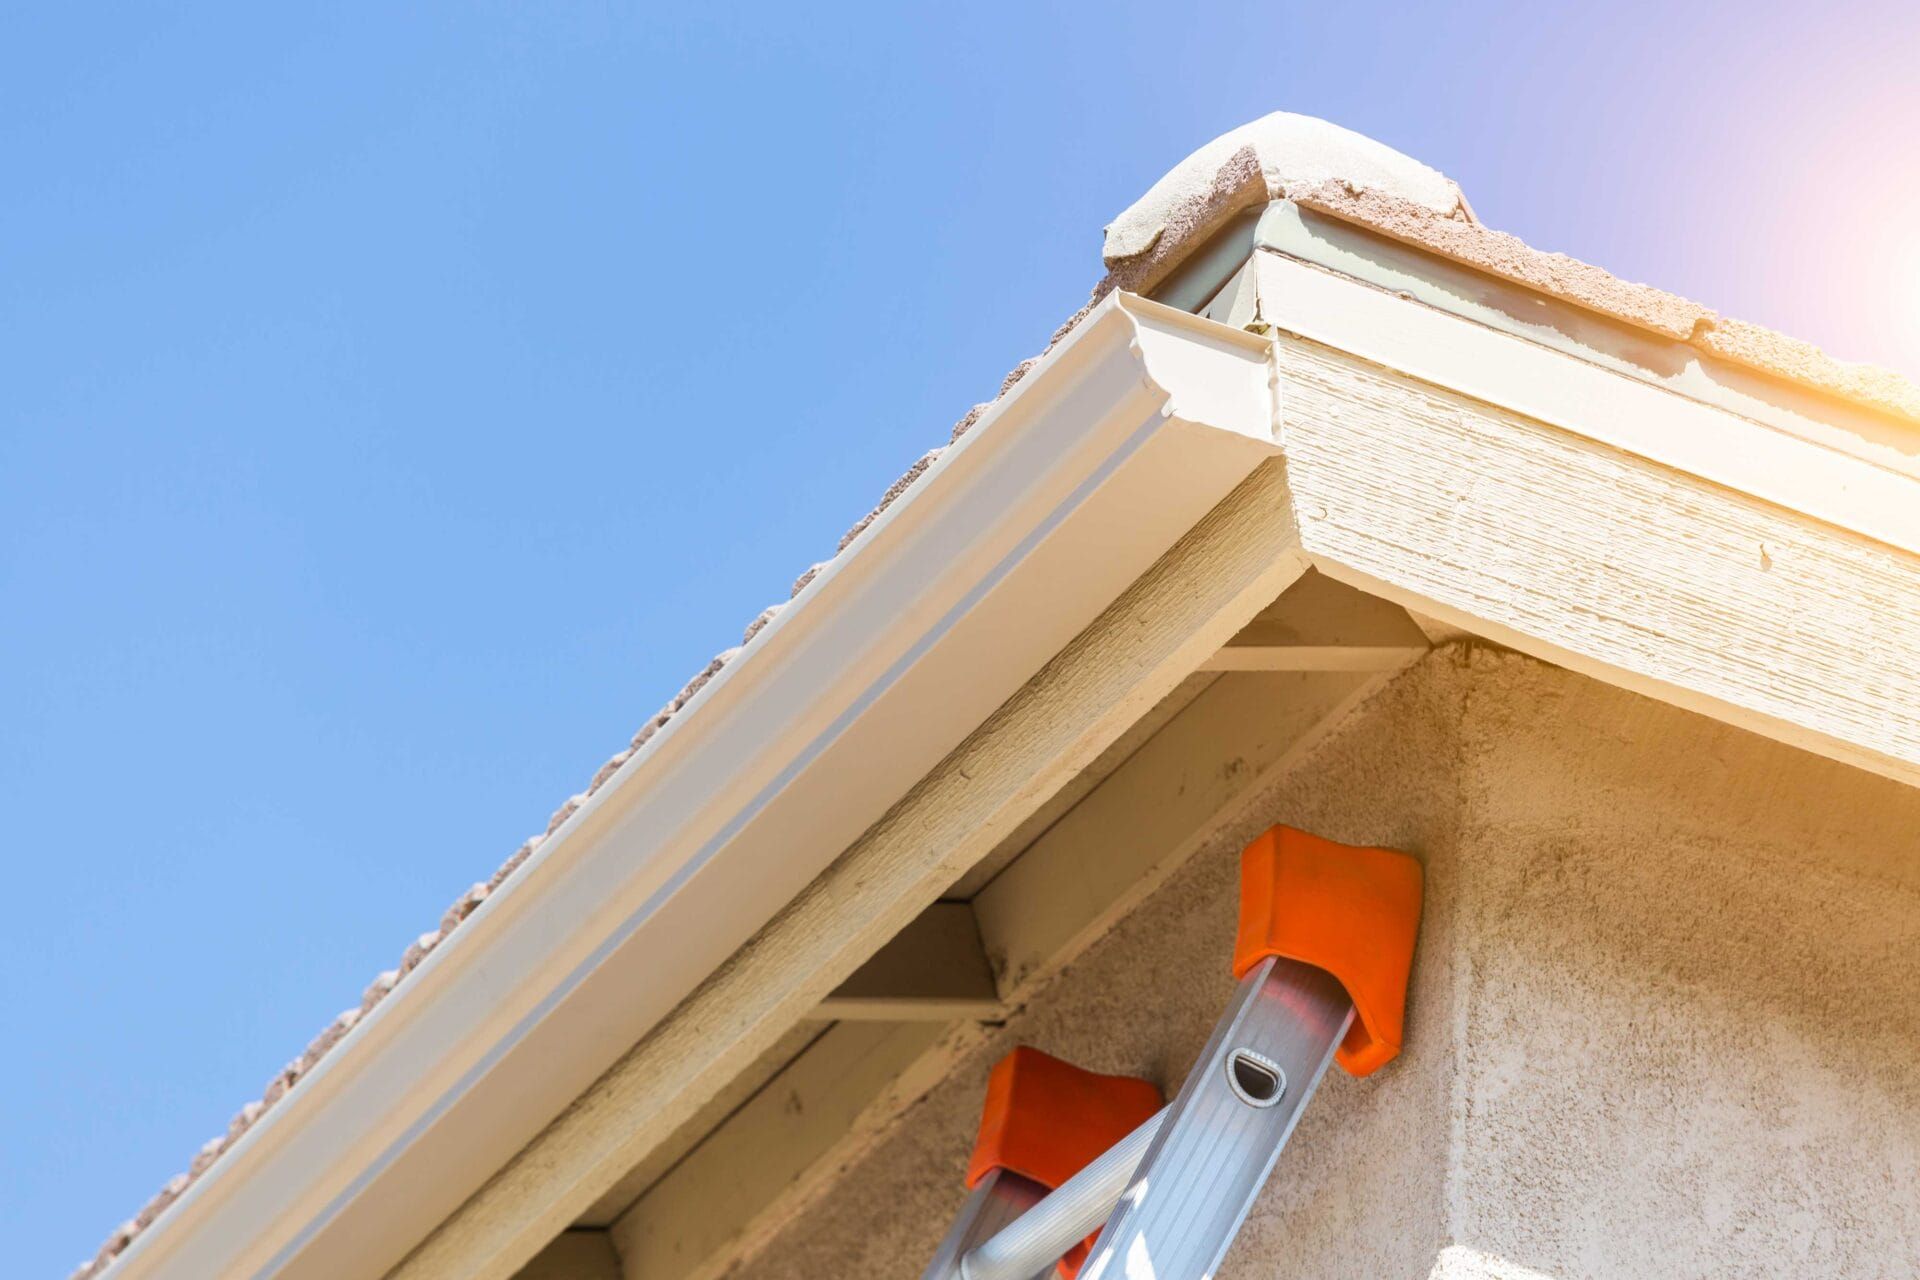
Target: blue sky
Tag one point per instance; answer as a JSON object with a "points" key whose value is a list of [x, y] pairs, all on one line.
{"points": [[373, 458]]}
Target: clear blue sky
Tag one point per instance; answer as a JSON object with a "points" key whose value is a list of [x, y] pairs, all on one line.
{"points": [[373, 460]]}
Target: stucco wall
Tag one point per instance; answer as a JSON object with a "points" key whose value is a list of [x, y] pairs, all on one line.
{"points": [[1662, 1020]]}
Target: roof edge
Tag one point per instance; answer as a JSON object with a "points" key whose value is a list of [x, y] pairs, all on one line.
{"points": [[1345, 175], [1116, 443]]}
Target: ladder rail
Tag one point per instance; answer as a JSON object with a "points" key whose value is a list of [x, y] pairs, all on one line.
{"points": [[1226, 1128], [1286, 1019]]}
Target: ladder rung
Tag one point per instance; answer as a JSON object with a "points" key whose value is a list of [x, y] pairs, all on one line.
{"points": [[1068, 1214], [998, 1199]]}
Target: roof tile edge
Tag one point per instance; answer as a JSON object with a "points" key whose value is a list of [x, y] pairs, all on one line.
{"points": [[1348, 176]]}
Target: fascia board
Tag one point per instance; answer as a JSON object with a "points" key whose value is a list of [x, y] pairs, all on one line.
{"points": [[1113, 445], [1661, 426], [1594, 520], [1679, 367]]}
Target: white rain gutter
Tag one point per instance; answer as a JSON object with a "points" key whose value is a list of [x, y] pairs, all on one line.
{"points": [[1110, 448]]}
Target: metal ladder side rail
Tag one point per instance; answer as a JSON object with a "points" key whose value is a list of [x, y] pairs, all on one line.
{"points": [[1226, 1129]]}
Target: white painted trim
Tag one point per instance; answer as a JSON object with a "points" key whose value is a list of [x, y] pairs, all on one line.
{"points": [[1610, 408], [1114, 445], [1581, 553], [1672, 365]]}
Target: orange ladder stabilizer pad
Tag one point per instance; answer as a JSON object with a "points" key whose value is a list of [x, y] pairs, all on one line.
{"points": [[1045, 1119], [1350, 910]]}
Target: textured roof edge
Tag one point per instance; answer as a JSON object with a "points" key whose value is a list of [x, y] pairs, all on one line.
{"points": [[1568, 279], [1240, 170], [1187, 207]]}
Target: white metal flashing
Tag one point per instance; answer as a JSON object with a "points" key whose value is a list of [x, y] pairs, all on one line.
{"points": [[1117, 442]]}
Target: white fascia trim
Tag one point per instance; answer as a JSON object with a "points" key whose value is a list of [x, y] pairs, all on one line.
{"points": [[1765, 578], [1609, 407], [1657, 361], [1111, 447]]}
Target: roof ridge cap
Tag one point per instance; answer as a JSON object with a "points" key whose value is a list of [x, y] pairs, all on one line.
{"points": [[1260, 161]]}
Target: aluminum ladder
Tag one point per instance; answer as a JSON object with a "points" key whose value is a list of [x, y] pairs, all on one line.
{"points": [[1322, 954]]}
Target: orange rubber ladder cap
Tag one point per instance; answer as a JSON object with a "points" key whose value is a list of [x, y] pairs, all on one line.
{"points": [[1046, 1120], [1350, 910]]}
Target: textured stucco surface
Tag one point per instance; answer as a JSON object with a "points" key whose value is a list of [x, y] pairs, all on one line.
{"points": [[1661, 1021]]}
